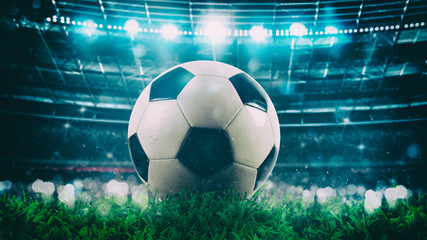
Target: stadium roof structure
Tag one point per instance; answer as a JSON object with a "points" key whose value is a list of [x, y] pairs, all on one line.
{"points": [[352, 61]]}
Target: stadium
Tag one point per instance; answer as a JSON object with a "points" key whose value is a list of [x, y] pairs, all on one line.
{"points": [[348, 81]]}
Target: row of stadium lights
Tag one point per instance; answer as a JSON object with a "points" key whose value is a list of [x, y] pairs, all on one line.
{"points": [[216, 30]]}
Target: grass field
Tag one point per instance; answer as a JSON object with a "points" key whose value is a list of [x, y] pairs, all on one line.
{"points": [[207, 216]]}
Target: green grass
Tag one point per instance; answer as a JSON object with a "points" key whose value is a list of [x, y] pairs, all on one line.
{"points": [[207, 216]]}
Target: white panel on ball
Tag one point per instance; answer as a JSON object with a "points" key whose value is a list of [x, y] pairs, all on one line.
{"points": [[237, 177], [274, 123], [171, 177], [138, 110], [162, 129], [209, 102], [209, 68], [251, 136]]}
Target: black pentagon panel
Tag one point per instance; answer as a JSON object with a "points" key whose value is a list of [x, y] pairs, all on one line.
{"points": [[139, 158], [265, 169], [250, 93], [206, 151], [170, 84]]}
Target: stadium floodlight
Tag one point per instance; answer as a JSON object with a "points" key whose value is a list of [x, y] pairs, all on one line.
{"points": [[331, 30], [258, 33], [215, 30], [90, 26], [169, 31], [346, 120], [131, 26], [298, 29]]}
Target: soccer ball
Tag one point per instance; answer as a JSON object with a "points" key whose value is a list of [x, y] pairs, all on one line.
{"points": [[203, 126]]}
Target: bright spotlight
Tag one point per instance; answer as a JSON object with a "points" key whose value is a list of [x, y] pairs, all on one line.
{"points": [[298, 29], [132, 26], [346, 120], [331, 30], [361, 147], [215, 30], [90, 23], [258, 33], [83, 109], [169, 31], [90, 27]]}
